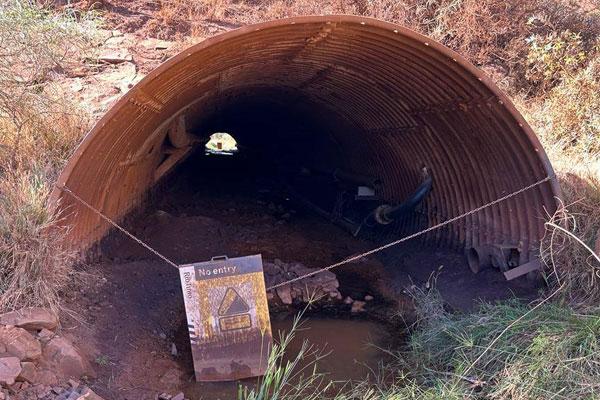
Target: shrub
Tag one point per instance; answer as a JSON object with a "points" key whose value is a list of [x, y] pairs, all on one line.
{"points": [[36, 122], [570, 265], [34, 263], [553, 57], [570, 113]]}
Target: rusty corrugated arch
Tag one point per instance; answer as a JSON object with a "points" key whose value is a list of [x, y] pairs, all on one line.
{"points": [[410, 102]]}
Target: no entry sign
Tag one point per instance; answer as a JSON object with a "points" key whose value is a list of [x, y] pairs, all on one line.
{"points": [[228, 317]]}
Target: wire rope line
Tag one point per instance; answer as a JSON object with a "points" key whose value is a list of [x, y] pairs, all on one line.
{"points": [[327, 268]]}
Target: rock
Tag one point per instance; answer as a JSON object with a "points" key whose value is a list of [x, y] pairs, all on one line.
{"points": [[46, 377], [71, 394], [369, 297], [89, 394], [41, 391], [173, 350], [285, 294], [321, 287], [358, 306], [324, 278], [348, 300], [31, 318], [120, 77], [20, 343], [45, 335], [73, 384], [115, 57], [178, 396], [156, 44], [76, 85], [64, 358], [28, 372], [114, 41], [162, 335], [10, 368]]}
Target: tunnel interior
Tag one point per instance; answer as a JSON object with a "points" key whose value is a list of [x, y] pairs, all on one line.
{"points": [[295, 142], [289, 167]]}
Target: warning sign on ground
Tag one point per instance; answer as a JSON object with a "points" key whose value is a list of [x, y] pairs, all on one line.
{"points": [[228, 317]]}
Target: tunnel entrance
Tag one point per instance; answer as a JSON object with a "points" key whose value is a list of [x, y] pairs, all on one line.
{"points": [[354, 98], [349, 133]]}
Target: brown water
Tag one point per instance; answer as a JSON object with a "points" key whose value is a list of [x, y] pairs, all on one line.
{"points": [[352, 347]]}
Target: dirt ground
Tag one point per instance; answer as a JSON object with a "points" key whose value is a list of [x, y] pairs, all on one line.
{"points": [[130, 313]]}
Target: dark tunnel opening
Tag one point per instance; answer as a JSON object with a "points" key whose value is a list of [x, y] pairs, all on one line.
{"points": [[296, 142]]}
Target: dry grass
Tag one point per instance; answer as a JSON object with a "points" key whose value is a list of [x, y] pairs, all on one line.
{"points": [[570, 114], [572, 259], [177, 18], [39, 129], [491, 33], [35, 265], [42, 127]]}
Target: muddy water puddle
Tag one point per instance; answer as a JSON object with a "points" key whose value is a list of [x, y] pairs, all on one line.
{"points": [[352, 348]]}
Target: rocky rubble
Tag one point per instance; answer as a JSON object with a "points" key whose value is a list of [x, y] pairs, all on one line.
{"points": [[165, 396], [34, 358], [321, 287], [111, 68]]}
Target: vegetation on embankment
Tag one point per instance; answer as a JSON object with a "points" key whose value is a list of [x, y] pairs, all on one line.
{"points": [[39, 128], [507, 350]]}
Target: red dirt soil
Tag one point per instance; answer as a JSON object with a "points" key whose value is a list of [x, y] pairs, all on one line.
{"points": [[132, 307]]}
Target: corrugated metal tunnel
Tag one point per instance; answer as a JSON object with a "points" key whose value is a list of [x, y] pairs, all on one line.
{"points": [[328, 93]]}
